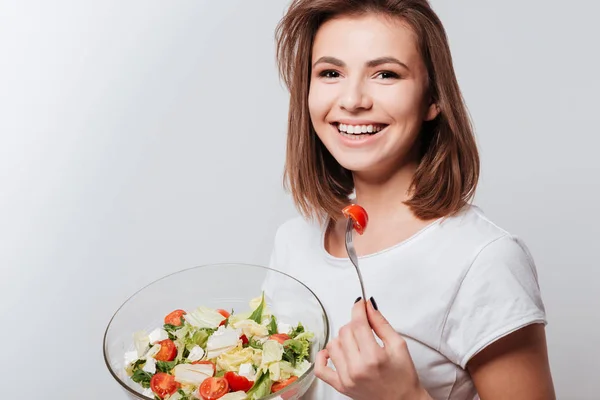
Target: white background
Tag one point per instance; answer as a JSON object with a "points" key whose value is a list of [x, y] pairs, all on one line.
{"points": [[140, 138]]}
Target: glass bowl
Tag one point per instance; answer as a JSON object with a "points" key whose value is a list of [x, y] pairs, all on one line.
{"points": [[225, 286]]}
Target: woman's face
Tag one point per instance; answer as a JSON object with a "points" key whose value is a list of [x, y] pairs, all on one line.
{"points": [[368, 92]]}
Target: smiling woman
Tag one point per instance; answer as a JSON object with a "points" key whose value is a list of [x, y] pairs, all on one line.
{"points": [[375, 109]]}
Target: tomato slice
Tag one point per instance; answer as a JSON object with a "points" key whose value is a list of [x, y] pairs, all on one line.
{"points": [[207, 362], [167, 352], [238, 382], [163, 384], [277, 386], [359, 216], [174, 317], [213, 388], [224, 313], [280, 337]]}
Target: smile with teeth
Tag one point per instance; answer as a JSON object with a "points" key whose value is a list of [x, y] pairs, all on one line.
{"points": [[356, 131]]}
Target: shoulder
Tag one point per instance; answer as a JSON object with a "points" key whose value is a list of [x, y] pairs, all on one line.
{"points": [[474, 233], [297, 229]]}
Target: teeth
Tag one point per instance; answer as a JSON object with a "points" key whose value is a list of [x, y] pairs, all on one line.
{"points": [[358, 129]]}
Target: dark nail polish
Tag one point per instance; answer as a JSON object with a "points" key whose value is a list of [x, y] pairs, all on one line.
{"points": [[374, 303], [357, 300]]}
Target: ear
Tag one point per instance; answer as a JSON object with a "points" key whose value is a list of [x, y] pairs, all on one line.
{"points": [[432, 112]]}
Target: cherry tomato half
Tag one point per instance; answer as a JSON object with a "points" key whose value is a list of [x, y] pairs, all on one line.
{"points": [[280, 337], [213, 388], [174, 318], [223, 313], [163, 384], [359, 217], [238, 382], [244, 339], [167, 352], [277, 386]]}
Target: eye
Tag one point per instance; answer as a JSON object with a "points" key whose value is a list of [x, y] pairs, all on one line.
{"points": [[388, 75], [329, 73]]}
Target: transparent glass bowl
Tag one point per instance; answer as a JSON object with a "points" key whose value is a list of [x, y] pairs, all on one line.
{"points": [[226, 286]]}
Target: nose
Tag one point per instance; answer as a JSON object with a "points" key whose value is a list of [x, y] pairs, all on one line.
{"points": [[354, 97]]}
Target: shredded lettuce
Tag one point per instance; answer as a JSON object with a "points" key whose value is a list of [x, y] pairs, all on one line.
{"points": [[299, 347], [257, 314], [142, 377], [262, 386], [297, 330], [204, 317], [272, 352]]}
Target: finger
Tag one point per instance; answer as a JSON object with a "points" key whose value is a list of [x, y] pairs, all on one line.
{"points": [[362, 330], [324, 372], [348, 342], [337, 356], [382, 327]]}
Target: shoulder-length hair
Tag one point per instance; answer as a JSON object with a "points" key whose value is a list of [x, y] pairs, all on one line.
{"points": [[448, 171]]}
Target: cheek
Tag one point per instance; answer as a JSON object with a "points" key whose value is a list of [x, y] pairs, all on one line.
{"points": [[404, 105], [320, 101]]}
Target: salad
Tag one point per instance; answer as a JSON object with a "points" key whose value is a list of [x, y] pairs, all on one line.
{"points": [[211, 354]]}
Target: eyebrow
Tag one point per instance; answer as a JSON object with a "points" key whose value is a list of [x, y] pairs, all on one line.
{"points": [[371, 64]]}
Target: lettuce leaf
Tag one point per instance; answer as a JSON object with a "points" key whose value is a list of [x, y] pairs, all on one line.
{"points": [[261, 388]]}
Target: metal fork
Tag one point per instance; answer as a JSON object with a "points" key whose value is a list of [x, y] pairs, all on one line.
{"points": [[352, 254]]}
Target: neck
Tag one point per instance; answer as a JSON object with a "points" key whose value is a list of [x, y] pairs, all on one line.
{"points": [[383, 197]]}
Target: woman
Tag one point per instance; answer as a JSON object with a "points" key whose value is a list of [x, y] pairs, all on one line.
{"points": [[376, 117]]}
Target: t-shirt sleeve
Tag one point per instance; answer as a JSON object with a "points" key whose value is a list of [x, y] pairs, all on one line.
{"points": [[498, 295]]}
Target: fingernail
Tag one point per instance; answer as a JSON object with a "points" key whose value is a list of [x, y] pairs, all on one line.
{"points": [[374, 303], [357, 299]]}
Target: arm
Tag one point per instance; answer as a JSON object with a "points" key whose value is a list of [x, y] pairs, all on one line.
{"points": [[515, 367]]}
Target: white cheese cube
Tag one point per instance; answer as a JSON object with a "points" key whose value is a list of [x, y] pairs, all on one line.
{"points": [[157, 335], [282, 327], [247, 370], [148, 393], [196, 354], [150, 365]]}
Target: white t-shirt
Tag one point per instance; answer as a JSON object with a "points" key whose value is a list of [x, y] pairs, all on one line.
{"points": [[451, 289]]}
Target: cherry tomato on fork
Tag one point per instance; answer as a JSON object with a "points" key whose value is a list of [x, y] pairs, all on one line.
{"points": [[359, 216], [174, 318], [167, 352], [213, 388], [163, 384]]}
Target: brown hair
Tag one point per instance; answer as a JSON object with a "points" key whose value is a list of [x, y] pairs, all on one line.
{"points": [[447, 175]]}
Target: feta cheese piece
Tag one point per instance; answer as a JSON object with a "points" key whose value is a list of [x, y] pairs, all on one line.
{"points": [[150, 365], [148, 393], [282, 327], [247, 371], [157, 335], [196, 354], [130, 357]]}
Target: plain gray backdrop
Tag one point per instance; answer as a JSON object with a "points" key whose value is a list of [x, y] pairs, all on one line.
{"points": [[139, 138]]}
